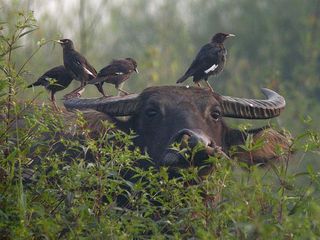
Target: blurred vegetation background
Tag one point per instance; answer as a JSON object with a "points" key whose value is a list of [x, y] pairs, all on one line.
{"points": [[276, 44]]}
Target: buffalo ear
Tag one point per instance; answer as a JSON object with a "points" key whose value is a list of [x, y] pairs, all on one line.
{"points": [[259, 146]]}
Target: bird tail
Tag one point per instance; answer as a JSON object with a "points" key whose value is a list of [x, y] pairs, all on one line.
{"points": [[40, 82], [183, 78], [100, 89], [95, 80], [35, 84]]}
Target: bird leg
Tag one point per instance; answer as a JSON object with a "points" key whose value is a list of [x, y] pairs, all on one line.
{"points": [[119, 88], [100, 89], [199, 85], [76, 92], [53, 100], [123, 91], [208, 84]]}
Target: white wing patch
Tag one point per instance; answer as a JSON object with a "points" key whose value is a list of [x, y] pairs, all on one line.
{"points": [[119, 73], [87, 71], [211, 69]]}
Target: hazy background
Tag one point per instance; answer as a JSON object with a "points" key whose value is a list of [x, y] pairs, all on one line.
{"points": [[276, 45]]}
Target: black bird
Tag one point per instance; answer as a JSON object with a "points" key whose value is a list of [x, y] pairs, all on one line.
{"points": [[210, 60], [78, 66], [116, 73], [54, 80]]}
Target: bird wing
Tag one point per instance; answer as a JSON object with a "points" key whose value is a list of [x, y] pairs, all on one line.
{"points": [[88, 71], [211, 69], [59, 74], [206, 60], [56, 72], [88, 68], [115, 68], [78, 64]]}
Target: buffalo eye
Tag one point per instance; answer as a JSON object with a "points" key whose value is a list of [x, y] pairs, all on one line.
{"points": [[215, 114], [151, 112]]}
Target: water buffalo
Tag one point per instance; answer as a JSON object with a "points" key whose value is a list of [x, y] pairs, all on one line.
{"points": [[163, 115]]}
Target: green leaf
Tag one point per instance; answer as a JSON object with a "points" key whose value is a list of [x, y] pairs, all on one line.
{"points": [[8, 50], [287, 185], [27, 32]]}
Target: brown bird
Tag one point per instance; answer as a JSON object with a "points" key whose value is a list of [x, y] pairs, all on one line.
{"points": [[210, 60], [116, 73], [78, 66], [54, 80]]}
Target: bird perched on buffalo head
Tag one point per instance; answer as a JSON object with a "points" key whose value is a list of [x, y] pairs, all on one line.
{"points": [[116, 73], [77, 65], [54, 80], [210, 60]]}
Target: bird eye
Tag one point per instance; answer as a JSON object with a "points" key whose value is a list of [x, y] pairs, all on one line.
{"points": [[216, 115], [151, 112]]}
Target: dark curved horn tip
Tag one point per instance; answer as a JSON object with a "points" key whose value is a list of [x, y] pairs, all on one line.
{"points": [[272, 95], [254, 108]]}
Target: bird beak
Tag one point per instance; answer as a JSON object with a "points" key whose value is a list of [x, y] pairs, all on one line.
{"points": [[136, 70], [231, 35], [58, 41]]}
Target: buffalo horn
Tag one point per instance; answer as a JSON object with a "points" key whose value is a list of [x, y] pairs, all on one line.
{"points": [[115, 106], [253, 108]]}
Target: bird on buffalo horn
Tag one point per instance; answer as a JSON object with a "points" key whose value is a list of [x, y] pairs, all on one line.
{"points": [[54, 80], [210, 60], [116, 73], [78, 66]]}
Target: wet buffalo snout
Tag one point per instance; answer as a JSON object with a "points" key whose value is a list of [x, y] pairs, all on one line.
{"points": [[187, 140], [191, 138]]}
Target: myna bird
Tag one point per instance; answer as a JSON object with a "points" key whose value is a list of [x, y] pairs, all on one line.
{"points": [[116, 73], [209, 61], [54, 80], [78, 66]]}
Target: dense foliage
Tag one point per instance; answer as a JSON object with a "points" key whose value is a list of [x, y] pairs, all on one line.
{"points": [[45, 196]]}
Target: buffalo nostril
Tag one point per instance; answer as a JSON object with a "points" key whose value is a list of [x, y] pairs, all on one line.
{"points": [[189, 138], [173, 158], [193, 141], [190, 141]]}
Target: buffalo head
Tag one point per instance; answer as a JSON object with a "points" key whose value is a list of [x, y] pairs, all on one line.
{"points": [[163, 115]]}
